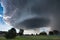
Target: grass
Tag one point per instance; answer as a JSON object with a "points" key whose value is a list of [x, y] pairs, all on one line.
{"points": [[33, 38]]}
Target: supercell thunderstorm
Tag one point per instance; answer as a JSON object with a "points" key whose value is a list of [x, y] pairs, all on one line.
{"points": [[30, 14]]}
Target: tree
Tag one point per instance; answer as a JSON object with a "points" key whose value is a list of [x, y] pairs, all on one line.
{"points": [[36, 34], [32, 34], [56, 32], [21, 32], [11, 33], [51, 33], [43, 33]]}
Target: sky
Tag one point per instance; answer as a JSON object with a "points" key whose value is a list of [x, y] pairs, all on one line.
{"points": [[5, 27], [30, 14]]}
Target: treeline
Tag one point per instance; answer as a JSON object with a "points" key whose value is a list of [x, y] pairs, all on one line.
{"points": [[12, 33]]}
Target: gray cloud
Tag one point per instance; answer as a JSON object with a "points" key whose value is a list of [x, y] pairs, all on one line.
{"points": [[32, 14], [34, 23]]}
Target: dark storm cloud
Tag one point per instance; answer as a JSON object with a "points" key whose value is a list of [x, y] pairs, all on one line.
{"points": [[34, 23], [32, 14]]}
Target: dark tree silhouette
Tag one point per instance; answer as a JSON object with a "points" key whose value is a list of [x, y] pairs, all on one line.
{"points": [[32, 34], [36, 34], [51, 33], [11, 33], [43, 33], [21, 32], [56, 32]]}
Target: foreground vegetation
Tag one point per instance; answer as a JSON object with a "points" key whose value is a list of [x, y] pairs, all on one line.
{"points": [[53, 35], [33, 38]]}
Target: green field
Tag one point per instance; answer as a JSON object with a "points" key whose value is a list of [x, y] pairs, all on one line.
{"points": [[33, 38]]}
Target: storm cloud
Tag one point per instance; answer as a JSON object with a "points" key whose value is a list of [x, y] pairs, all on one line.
{"points": [[34, 23], [30, 14]]}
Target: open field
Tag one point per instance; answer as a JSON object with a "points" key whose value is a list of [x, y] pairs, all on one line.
{"points": [[33, 38]]}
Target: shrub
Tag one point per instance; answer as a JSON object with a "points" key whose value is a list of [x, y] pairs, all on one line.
{"points": [[43, 33], [51, 33], [56, 32]]}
